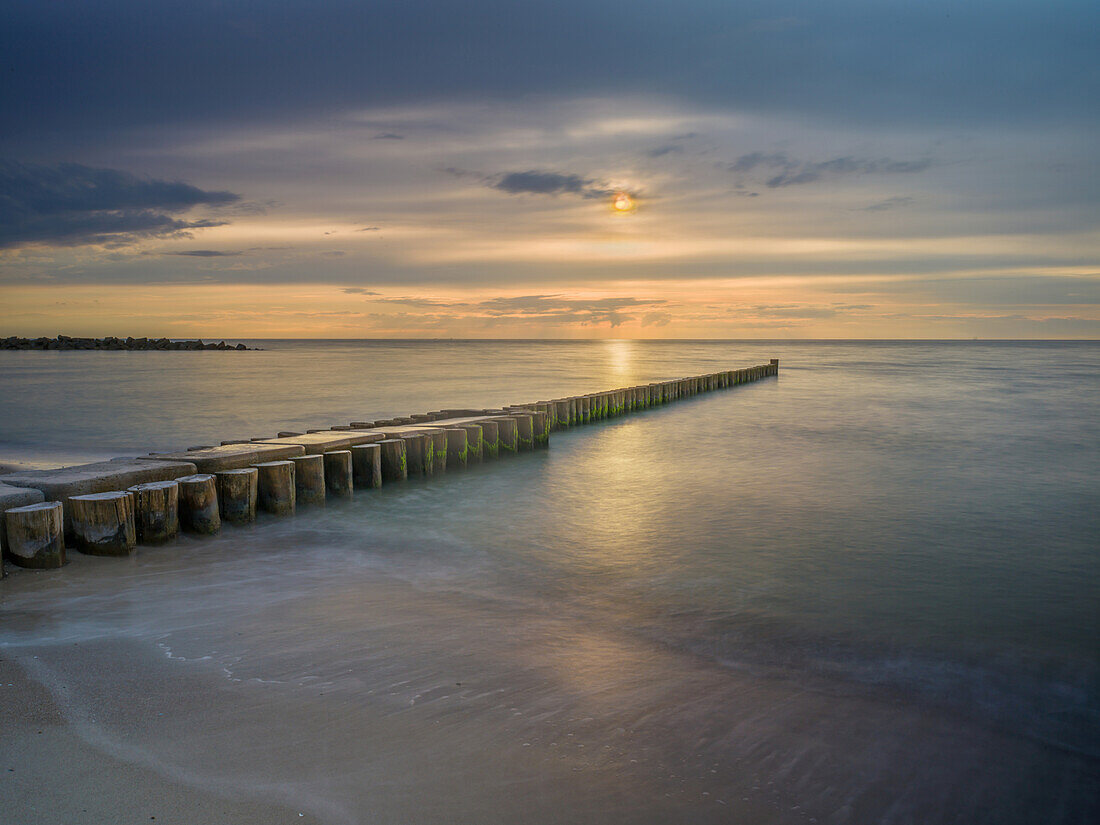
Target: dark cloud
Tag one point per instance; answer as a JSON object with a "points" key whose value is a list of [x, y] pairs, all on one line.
{"points": [[889, 203], [205, 253], [661, 151], [71, 205], [550, 183], [673, 146], [358, 290], [778, 24], [369, 229], [856, 61], [754, 160], [792, 172], [388, 136], [656, 319]]}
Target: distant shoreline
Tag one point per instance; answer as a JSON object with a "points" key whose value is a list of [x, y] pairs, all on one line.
{"points": [[65, 342]]}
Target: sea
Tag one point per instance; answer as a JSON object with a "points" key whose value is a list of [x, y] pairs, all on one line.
{"points": [[866, 590]]}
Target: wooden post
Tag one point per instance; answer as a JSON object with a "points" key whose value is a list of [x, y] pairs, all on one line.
{"points": [[507, 433], [156, 511], [419, 452], [540, 428], [309, 479], [394, 461], [475, 443], [103, 523], [366, 466], [439, 450], [584, 409], [237, 494], [275, 487], [600, 400], [491, 446], [457, 447], [561, 414], [525, 431], [339, 481], [198, 504], [36, 535]]}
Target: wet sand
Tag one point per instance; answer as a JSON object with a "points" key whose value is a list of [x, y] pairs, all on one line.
{"points": [[198, 688]]}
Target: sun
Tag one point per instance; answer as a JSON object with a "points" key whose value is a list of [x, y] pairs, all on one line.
{"points": [[623, 203]]}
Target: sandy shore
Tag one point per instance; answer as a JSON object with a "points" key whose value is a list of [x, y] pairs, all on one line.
{"points": [[58, 766], [282, 675]]}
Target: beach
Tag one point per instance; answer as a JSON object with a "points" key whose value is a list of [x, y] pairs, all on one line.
{"points": [[863, 591]]}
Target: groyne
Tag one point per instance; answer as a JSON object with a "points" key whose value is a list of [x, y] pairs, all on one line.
{"points": [[112, 507]]}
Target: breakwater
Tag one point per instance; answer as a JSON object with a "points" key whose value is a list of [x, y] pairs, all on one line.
{"points": [[108, 508], [65, 342]]}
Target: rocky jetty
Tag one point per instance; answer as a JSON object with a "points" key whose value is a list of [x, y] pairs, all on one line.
{"points": [[111, 343]]}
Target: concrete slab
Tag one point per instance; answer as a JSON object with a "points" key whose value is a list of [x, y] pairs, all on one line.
{"points": [[102, 477], [18, 496], [231, 456], [326, 440]]}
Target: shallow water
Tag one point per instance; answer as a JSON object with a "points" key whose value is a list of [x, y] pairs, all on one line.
{"points": [[866, 591]]}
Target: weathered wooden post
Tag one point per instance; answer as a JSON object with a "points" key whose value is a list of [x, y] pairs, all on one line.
{"points": [[275, 488], [366, 465], [198, 504], [237, 494], [103, 523], [394, 461], [774, 363], [439, 450], [600, 400], [525, 430], [561, 414], [475, 443], [490, 448], [156, 511], [507, 433], [457, 447], [540, 428], [309, 479], [339, 480], [419, 452], [584, 404], [36, 535]]}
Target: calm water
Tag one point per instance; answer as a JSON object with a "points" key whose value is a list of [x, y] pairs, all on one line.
{"points": [[866, 591]]}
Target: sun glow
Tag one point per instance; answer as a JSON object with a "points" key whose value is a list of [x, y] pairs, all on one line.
{"points": [[623, 203]]}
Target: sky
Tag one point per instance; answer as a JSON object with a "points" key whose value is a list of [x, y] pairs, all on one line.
{"points": [[597, 169]]}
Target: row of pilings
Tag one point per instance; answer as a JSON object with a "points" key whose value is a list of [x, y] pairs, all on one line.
{"points": [[330, 464]]}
